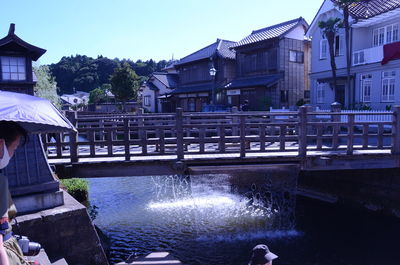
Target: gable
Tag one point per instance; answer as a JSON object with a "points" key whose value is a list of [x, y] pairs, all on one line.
{"points": [[326, 7], [297, 33]]}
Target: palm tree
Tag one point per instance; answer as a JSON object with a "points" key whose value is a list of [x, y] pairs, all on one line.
{"points": [[329, 28], [344, 6]]}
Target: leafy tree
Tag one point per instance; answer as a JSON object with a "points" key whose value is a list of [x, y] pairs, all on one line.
{"points": [[46, 86], [97, 95], [125, 84], [344, 6], [329, 29]]}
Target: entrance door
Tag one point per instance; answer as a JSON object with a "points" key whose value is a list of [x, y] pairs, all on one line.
{"points": [[340, 94]]}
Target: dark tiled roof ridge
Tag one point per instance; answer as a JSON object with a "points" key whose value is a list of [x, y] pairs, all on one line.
{"points": [[208, 46], [277, 25], [370, 8]]}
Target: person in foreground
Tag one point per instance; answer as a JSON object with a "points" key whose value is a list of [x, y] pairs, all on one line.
{"points": [[10, 137], [262, 256]]}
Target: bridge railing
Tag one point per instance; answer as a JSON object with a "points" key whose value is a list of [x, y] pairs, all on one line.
{"points": [[184, 135]]}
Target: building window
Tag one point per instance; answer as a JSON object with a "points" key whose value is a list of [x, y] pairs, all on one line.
{"points": [[296, 56], [13, 68], [147, 100], [323, 49], [339, 45], [320, 92], [385, 35], [366, 85], [284, 96], [388, 85]]}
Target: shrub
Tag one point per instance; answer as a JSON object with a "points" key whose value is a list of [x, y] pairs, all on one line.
{"points": [[78, 188]]}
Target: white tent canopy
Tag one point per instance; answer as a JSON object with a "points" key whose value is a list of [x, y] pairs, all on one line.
{"points": [[36, 115]]}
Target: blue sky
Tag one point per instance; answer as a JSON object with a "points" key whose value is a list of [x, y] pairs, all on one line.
{"points": [[145, 29]]}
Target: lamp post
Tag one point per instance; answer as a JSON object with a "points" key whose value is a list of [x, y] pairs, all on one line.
{"points": [[213, 72]]}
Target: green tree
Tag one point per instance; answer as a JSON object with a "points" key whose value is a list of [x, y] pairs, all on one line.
{"points": [[97, 95], [329, 29], [46, 86], [344, 6], [125, 84]]}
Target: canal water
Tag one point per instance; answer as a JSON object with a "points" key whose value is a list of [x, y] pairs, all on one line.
{"points": [[206, 220]]}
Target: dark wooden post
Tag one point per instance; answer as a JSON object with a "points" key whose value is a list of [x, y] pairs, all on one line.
{"points": [[179, 133], [127, 139], [235, 121], [303, 131], [396, 131], [73, 136], [350, 137], [242, 136]]}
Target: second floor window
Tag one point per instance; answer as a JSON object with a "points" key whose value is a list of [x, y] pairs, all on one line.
{"points": [[339, 45], [388, 85], [13, 68], [296, 56], [385, 35], [147, 100], [323, 49]]}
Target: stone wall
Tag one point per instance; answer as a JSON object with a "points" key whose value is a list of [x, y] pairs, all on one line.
{"points": [[64, 232]]}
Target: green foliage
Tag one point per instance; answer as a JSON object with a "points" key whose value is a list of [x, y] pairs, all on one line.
{"points": [[125, 83], [330, 27], [301, 102], [84, 73], [46, 86], [388, 107], [78, 188], [97, 95]]}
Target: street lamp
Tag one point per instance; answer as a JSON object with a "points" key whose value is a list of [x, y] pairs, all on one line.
{"points": [[213, 72]]}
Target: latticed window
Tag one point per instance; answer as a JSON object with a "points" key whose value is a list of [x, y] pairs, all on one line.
{"points": [[388, 85], [385, 35], [321, 92], [323, 49], [13, 68], [366, 85]]}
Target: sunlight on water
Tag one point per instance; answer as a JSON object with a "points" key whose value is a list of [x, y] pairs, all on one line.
{"points": [[199, 202]]}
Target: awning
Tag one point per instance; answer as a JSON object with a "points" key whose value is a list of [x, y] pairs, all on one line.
{"points": [[193, 88], [266, 80]]}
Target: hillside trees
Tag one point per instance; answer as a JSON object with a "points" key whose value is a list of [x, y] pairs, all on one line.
{"points": [[84, 73]]}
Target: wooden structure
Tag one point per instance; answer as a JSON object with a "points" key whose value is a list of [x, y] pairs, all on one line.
{"points": [[196, 86], [271, 67], [31, 181], [298, 137]]}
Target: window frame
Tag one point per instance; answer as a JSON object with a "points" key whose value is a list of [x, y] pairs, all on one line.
{"points": [[18, 69], [380, 35], [366, 79], [323, 55], [388, 86], [320, 96], [298, 56], [146, 100]]}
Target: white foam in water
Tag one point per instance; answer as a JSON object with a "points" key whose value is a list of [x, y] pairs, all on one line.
{"points": [[251, 235], [198, 202]]}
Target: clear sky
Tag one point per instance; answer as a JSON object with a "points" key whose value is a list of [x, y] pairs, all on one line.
{"points": [[141, 29]]}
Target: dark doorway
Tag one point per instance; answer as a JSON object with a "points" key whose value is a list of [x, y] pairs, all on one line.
{"points": [[340, 94]]}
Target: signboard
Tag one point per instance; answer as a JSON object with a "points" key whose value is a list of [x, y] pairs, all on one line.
{"points": [[233, 92]]}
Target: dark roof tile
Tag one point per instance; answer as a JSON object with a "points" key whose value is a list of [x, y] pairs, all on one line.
{"points": [[270, 32], [370, 8]]}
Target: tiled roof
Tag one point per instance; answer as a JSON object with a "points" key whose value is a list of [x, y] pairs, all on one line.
{"points": [[12, 39], [274, 31], [168, 79], [220, 47], [193, 88], [265, 80], [371, 8]]}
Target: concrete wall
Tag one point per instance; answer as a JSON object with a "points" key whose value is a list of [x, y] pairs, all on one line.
{"points": [[64, 232]]}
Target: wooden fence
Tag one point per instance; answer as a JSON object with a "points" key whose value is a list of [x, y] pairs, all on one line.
{"points": [[180, 134]]}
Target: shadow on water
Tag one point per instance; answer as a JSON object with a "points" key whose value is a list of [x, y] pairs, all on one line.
{"points": [[218, 219]]}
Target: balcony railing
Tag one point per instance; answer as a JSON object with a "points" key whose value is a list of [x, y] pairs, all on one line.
{"points": [[366, 56]]}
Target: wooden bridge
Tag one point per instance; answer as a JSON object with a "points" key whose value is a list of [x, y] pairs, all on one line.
{"points": [[314, 140]]}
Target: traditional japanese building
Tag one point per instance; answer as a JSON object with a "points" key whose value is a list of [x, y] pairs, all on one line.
{"points": [[272, 67], [203, 76]]}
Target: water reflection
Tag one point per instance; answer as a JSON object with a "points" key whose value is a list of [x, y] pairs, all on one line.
{"points": [[181, 213]]}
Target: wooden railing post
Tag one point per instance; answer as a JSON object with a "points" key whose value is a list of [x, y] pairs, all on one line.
{"points": [[179, 133], [303, 131], [396, 131], [127, 139], [235, 120], [242, 136], [350, 137], [73, 136]]}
